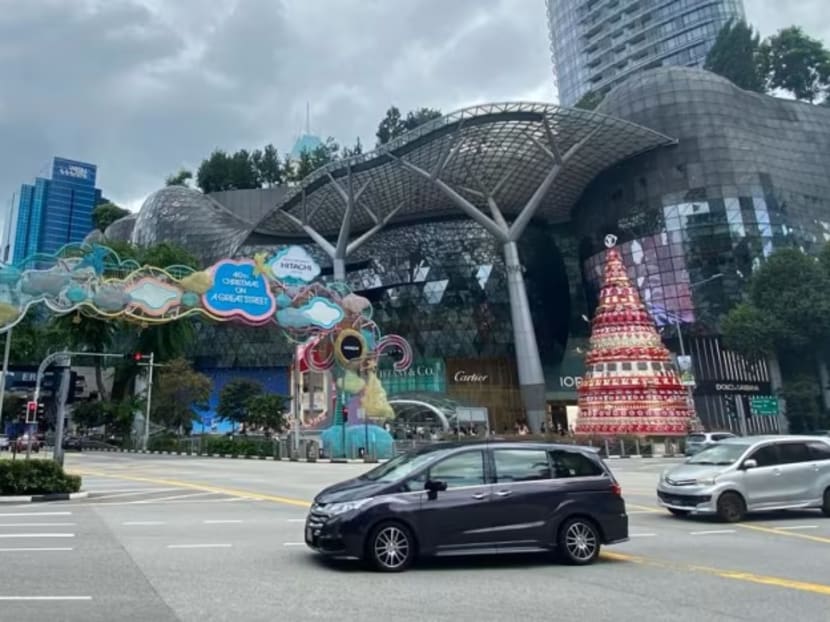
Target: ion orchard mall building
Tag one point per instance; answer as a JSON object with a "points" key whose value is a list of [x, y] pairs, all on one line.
{"points": [[478, 237]]}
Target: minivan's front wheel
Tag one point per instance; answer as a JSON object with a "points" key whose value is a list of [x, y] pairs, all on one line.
{"points": [[731, 507], [579, 542], [391, 547]]}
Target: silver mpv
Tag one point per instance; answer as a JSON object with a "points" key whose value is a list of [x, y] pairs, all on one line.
{"points": [[750, 474]]}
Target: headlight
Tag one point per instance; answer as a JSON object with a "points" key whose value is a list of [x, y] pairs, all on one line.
{"points": [[346, 506], [707, 481]]}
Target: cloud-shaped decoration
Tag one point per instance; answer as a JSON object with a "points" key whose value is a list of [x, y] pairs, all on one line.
{"points": [[111, 299], [354, 304], [292, 318], [9, 275], [44, 282], [294, 265], [76, 294], [8, 313], [283, 301], [323, 313], [198, 282]]}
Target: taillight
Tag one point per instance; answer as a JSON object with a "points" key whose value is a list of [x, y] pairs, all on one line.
{"points": [[616, 489]]}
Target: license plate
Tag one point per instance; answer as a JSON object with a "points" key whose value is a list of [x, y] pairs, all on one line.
{"points": [[309, 534]]}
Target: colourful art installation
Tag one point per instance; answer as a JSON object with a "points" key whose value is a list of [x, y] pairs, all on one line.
{"points": [[631, 385], [333, 323]]}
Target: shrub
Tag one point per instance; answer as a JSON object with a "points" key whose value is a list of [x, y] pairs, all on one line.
{"points": [[35, 477]]}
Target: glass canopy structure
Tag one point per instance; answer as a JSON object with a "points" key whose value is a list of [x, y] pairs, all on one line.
{"points": [[501, 165]]}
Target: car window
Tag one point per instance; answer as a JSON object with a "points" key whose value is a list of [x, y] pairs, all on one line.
{"points": [[819, 450], [464, 469], [696, 438], [521, 465], [765, 456], [720, 437], [792, 453], [574, 464]]}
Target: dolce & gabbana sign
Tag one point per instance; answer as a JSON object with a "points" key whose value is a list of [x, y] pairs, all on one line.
{"points": [[465, 377]]}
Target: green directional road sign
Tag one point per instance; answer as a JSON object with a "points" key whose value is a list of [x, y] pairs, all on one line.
{"points": [[764, 406]]}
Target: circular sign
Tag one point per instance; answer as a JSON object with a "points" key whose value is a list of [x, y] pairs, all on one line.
{"points": [[350, 347]]}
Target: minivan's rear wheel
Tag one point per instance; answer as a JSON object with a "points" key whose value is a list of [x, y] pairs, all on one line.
{"points": [[677, 512], [731, 507], [579, 542], [391, 547], [826, 505]]}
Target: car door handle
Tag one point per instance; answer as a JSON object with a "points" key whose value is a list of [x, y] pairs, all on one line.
{"points": [[479, 496], [504, 493]]}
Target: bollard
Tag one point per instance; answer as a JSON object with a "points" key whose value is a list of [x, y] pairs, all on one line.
{"points": [[622, 448], [607, 453], [637, 446]]}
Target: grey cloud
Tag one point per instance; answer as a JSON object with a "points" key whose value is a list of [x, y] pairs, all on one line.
{"points": [[141, 87]]}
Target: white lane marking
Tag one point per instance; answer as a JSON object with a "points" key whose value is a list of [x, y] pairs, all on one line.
{"points": [[141, 491], [220, 521], [38, 514], [199, 546], [711, 532], [34, 549], [37, 535], [641, 535], [185, 496], [293, 543], [296, 520], [796, 527], [6, 598], [131, 523], [37, 525]]}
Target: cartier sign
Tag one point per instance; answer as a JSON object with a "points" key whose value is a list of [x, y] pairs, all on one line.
{"points": [[465, 377]]}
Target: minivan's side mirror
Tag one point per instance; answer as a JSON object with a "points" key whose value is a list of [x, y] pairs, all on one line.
{"points": [[750, 464], [434, 485]]}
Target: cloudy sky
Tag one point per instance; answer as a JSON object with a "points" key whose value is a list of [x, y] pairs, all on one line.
{"points": [[143, 87]]}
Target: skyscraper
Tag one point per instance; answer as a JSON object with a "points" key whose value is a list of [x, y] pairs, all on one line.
{"points": [[597, 44], [54, 212]]}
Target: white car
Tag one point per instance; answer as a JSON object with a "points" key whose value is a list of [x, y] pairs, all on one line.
{"points": [[4, 442]]}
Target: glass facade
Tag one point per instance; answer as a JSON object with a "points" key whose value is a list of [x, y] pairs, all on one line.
{"points": [[597, 44], [57, 211]]}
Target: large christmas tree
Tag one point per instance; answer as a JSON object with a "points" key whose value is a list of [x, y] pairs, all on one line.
{"points": [[631, 385]]}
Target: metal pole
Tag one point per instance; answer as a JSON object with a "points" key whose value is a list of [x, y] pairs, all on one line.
{"points": [[739, 408], [6, 353], [298, 404], [680, 336], [63, 393], [146, 439]]}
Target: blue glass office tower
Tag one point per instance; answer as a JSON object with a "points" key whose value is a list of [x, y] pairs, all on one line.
{"points": [[54, 212]]}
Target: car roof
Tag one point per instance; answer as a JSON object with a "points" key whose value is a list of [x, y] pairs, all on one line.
{"points": [[763, 438], [448, 446]]}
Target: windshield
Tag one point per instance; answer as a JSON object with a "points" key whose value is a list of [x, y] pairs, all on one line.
{"points": [[723, 454], [696, 438], [399, 467]]}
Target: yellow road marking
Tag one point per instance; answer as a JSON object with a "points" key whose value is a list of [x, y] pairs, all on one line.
{"points": [[781, 532], [747, 577], [196, 486]]}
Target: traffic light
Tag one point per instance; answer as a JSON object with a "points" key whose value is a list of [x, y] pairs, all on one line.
{"points": [[136, 356], [730, 406], [31, 411]]}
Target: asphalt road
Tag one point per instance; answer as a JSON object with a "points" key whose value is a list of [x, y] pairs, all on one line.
{"points": [[174, 538]]}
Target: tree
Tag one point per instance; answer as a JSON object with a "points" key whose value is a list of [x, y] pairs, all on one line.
{"points": [[235, 398], [78, 332], [178, 390], [214, 173], [393, 124], [735, 56], [590, 100], [348, 152], [267, 410], [90, 414], [107, 213], [243, 171], [748, 330], [182, 178], [795, 62], [268, 165]]}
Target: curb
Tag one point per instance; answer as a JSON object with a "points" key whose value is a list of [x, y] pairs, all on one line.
{"points": [[61, 496], [225, 456]]}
